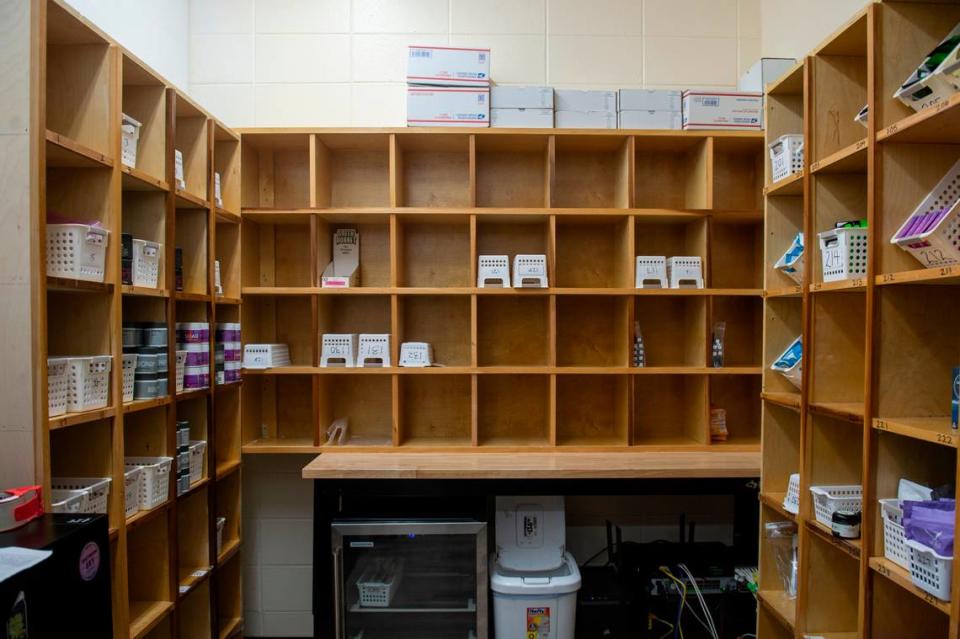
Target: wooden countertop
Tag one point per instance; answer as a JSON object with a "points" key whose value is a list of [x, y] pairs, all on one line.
{"points": [[549, 465]]}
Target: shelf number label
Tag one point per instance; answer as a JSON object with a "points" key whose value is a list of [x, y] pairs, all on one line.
{"points": [[815, 167], [862, 144], [883, 570], [881, 425], [816, 286], [889, 277], [943, 438], [857, 283], [893, 128], [930, 599], [946, 271]]}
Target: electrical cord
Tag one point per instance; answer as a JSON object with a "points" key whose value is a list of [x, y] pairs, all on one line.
{"points": [[677, 630], [682, 586], [703, 603]]}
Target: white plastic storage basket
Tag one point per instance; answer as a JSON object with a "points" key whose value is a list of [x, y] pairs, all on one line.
{"points": [[894, 539], [929, 571], [221, 522], [197, 451], [76, 251], [131, 490], [932, 232], [58, 386], [67, 501], [146, 263], [89, 382], [844, 253], [95, 491], [129, 374], [378, 582], [154, 479], [786, 156], [791, 502], [831, 499]]}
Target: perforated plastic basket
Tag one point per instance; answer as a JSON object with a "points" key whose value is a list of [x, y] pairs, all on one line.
{"points": [[791, 502], [221, 522], [76, 251], [197, 451], [894, 539], [929, 571], [265, 355], [89, 382], [154, 479], [378, 583], [932, 232], [131, 490], [843, 253], [67, 501], [786, 156], [146, 263], [95, 491], [58, 386], [830, 499], [129, 374]]}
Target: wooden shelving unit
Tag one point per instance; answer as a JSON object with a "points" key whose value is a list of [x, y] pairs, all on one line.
{"points": [[521, 369], [162, 559], [878, 353]]}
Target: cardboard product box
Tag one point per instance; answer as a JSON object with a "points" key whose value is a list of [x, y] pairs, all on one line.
{"points": [[724, 110], [448, 66], [344, 270], [585, 120], [763, 72], [650, 100], [580, 100], [427, 106], [521, 97], [651, 120], [522, 118]]}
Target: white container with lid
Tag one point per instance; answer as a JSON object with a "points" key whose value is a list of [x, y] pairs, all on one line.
{"points": [[531, 533], [535, 604]]}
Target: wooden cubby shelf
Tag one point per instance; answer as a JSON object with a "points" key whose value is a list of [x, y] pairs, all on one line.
{"points": [[426, 204], [873, 406], [88, 82]]}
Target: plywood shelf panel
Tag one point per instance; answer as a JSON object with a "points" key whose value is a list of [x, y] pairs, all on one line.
{"points": [[146, 615], [782, 606], [790, 186], [891, 571], [850, 159]]}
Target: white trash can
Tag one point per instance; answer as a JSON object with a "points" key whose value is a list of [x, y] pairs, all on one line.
{"points": [[535, 605]]}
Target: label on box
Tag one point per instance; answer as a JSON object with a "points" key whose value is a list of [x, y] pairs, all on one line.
{"points": [[521, 97], [650, 120], [448, 66], [342, 270], [722, 110], [178, 169], [448, 107], [522, 118], [538, 623], [650, 100], [217, 197]]}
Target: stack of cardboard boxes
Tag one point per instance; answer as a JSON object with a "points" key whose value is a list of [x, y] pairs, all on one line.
{"points": [[448, 86], [523, 107], [578, 109], [650, 109]]}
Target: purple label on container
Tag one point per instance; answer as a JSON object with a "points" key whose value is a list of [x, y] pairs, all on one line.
{"points": [[89, 561]]}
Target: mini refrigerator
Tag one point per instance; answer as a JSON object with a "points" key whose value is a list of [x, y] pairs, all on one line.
{"points": [[414, 579], [67, 594]]}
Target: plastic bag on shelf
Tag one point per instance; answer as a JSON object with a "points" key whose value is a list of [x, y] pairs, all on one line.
{"points": [[782, 537], [931, 523]]}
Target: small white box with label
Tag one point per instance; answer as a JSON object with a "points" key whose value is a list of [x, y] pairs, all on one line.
{"points": [[530, 271], [416, 355], [493, 271], [374, 350], [448, 66], [178, 169], [651, 271], [522, 118], [129, 138], [339, 350], [435, 106], [521, 97], [343, 271]]}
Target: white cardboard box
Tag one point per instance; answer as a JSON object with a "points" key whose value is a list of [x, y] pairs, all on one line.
{"points": [[651, 120], [521, 97], [585, 120], [343, 270], [580, 100], [522, 118], [650, 100], [429, 106], [723, 110], [448, 66], [763, 72]]}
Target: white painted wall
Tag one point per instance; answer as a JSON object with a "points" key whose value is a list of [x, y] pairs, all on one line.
{"points": [[156, 31], [791, 29]]}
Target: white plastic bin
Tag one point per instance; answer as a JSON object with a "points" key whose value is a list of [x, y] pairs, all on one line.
{"points": [[540, 604], [786, 156], [146, 263], [843, 253], [932, 232], [58, 385], [76, 251]]}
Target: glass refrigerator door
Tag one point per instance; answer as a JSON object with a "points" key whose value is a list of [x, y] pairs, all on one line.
{"points": [[416, 580]]}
